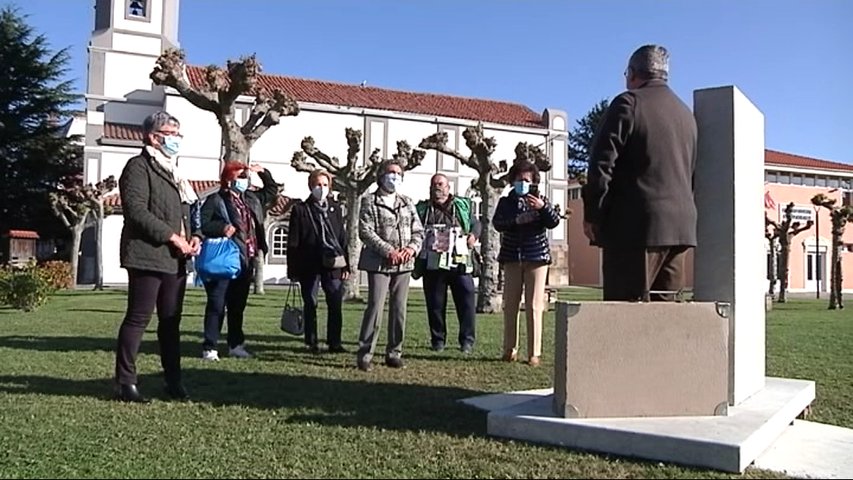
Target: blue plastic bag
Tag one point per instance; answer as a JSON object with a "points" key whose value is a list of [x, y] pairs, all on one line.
{"points": [[219, 259]]}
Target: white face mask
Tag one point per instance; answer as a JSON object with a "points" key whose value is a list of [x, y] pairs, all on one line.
{"points": [[320, 193], [390, 182]]}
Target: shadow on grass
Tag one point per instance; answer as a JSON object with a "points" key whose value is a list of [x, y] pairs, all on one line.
{"points": [[71, 344], [332, 402]]}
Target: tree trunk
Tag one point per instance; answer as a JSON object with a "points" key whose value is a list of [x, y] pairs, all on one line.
{"points": [[352, 286], [236, 147], [99, 254], [835, 273], [258, 262], [76, 238], [784, 254], [771, 268], [488, 298]]}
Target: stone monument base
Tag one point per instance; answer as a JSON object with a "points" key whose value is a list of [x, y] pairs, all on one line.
{"points": [[728, 443]]}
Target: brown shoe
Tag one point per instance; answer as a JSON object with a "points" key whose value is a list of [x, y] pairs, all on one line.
{"points": [[510, 356], [533, 361]]}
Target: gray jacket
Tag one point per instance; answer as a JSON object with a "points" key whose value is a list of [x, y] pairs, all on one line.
{"points": [[383, 229]]}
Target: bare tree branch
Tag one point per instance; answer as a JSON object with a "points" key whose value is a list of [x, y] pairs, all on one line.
{"points": [[170, 71], [409, 158], [331, 164], [268, 111], [438, 142]]}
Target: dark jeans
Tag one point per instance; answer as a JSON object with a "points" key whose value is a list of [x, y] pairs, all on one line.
{"points": [[221, 294], [631, 273], [435, 292], [147, 290], [333, 289]]}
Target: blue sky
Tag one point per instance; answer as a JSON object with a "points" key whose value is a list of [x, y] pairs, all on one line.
{"points": [[793, 59]]}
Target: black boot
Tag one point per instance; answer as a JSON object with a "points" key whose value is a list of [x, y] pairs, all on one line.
{"points": [[129, 393], [176, 391]]}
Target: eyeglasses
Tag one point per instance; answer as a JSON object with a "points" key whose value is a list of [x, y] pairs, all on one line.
{"points": [[170, 134]]}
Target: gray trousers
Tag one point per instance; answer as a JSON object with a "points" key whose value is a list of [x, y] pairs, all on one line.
{"points": [[378, 287]]}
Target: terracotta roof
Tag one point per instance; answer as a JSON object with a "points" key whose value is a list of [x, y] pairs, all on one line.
{"points": [[772, 157], [122, 131], [333, 93], [200, 186], [22, 234]]}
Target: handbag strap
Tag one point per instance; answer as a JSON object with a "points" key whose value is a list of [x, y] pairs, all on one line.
{"points": [[322, 230], [223, 210]]}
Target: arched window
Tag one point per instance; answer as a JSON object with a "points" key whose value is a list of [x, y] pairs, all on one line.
{"points": [[278, 244], [137, 9]]}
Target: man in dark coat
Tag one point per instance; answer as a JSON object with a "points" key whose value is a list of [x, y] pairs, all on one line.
{"points": [[638, 200]]}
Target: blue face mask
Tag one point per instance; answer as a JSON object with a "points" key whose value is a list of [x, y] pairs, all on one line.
{"points": [[171, 145], [241, 184], [521, 187]]}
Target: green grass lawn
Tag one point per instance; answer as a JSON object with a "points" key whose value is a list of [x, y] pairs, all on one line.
{"points": [[288, 413]]}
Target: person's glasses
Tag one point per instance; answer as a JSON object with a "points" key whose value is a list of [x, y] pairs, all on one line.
{"points": [[626, 72], [170, 134]]}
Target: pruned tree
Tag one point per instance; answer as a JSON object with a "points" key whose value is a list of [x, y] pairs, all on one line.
{"points": [[839, 216], [786, 230], [218, 94], [79, 207], [258, 261], [352, 179], [772, 236], [491, 180], [580, 140]]}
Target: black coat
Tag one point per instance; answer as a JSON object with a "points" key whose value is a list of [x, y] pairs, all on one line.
{"points": [[639, 188], [153, 212], [527, 242], [258, 201], [304, 246]]}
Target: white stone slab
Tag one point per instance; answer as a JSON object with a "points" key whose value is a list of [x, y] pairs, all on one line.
{"points": [[812, 450], [498, 401], [728, 443], [729, 256]]}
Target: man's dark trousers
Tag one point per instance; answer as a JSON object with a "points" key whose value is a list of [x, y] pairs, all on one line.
{"points": [[436, 283]]}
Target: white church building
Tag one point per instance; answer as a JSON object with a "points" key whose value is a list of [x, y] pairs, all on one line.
{"points": [[128, 37]]}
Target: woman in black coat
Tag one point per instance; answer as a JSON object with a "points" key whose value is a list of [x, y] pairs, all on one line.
{"points": [[317, 257], [238, 213], [523, 218], [156, 242]]}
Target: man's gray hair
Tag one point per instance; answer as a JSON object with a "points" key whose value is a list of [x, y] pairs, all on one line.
{"points": [[155, 122], [386, 164], [650, 61]]}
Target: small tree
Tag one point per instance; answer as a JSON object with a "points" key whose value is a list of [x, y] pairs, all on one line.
{"points": [[489, 184], [785, 232], [580, 140], [839, 216], [78, 208], [271, 218], [352, 180], [772, 236]]}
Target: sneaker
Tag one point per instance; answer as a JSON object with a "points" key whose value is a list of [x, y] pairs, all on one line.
{"points": [[364, 364], [533, 361], [210, 355], [239, 352]]}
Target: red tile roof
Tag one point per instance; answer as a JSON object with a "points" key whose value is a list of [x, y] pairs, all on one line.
{"points": [[200, 186], [772, 157], [122, 131], [333, 93], [22, 234]]}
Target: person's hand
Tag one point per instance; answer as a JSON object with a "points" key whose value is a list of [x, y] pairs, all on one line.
{"points": [[407, 254], [181, 244], [395, 258], [195, 244], [591, 231], [472, 240], [229, 230], [534, 202], [256, 168], [345, 275]]}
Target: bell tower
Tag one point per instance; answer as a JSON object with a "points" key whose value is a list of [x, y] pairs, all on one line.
{"points": [[127, 38]]}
